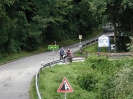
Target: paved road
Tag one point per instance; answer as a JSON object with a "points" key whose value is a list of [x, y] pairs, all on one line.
{"points": [[16, 76]]}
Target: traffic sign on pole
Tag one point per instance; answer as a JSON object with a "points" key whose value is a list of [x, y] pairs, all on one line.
{"points": [[80, 37], [65, 86], [53, 47]]}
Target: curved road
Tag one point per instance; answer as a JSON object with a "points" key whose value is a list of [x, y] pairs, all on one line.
{"points": [[16, 76]]}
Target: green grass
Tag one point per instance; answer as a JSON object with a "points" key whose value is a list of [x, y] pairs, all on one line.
{"points": [[90, 50], [51, 78], [96, 78], [94, 48], [32, 90]]}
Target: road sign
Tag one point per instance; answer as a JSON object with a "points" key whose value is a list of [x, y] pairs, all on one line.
{"points": [[80, 37], [65, 86], [53, 47], [103, 41], [112, 46]]}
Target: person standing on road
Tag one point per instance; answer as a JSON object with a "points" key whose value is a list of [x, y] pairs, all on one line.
{"points": [[69, 54], [61, 52]]}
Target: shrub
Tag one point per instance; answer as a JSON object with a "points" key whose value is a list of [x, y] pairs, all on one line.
{"points": [[99, 63], [120, 86], [87, 81]]}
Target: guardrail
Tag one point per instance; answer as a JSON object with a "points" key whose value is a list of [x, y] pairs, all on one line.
{"points": [[37, 75], [90, 42], [116, 55], [37, 88]]}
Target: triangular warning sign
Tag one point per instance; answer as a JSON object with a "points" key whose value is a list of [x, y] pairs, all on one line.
{"points": [[65, 86]]}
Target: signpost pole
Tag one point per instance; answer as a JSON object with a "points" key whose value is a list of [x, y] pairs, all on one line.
{"points": [[65, 95], [109, 46], [53, 56], [98, 49], [53, 47], [80, 45], [53, 51]]}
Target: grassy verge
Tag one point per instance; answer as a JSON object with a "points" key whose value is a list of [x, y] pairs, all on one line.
{"points": [[89, 50], [96, 78], [51, 78], [32, 91]]}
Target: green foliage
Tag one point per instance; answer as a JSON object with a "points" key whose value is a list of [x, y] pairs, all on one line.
{"points": [[120, 85], [118, 11], [26, 21], [26, 25], [32, 90], [109, 79], [87, 81], [32, 42], [98, 62], [130, 45]]}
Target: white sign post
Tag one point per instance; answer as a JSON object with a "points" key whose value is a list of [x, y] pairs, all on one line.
{"points": [[103, 41], [80, 45]]}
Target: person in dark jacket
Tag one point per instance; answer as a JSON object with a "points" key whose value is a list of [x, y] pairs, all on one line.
{"points": [[61, 52]]}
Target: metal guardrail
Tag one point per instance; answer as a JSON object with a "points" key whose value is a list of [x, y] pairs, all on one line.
{"points": [[37, 75], [37, 88], [89, 43]]}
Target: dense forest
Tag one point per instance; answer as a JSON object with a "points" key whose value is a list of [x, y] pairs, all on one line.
{"points": [[29, 24]]}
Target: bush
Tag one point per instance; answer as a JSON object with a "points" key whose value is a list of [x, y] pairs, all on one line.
{"points": [[32, 42], [87, 81], [99, 63], [120, 86]]}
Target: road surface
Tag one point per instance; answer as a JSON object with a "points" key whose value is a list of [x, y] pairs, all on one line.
{"points": [[16, 76]]}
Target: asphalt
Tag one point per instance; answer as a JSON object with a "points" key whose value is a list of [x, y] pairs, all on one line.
{"points": [[16, 76]]}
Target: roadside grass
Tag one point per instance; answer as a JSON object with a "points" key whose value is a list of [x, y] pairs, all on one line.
{"points": [[94, 48], [91, 49], [96, 78], [32, 90], [51, 78]]}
